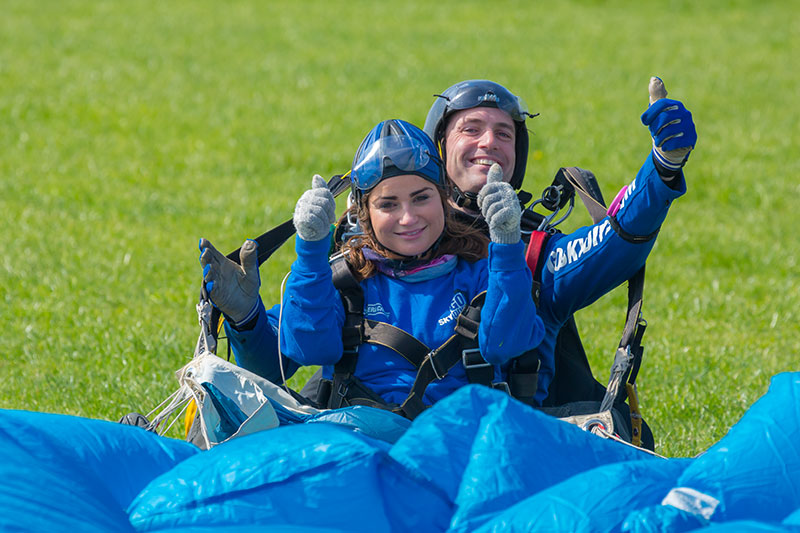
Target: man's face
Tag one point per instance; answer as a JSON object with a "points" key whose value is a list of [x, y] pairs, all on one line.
{"points": [[474, 139]]}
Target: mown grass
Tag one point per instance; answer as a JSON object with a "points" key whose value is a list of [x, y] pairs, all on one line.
{"points": [[129, 130]]}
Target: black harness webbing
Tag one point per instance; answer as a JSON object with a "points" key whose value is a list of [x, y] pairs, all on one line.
{"points": [[635, 239], [431, 364]]}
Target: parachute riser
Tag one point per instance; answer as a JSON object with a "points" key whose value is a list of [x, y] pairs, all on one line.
{"points": [[207, 341]]}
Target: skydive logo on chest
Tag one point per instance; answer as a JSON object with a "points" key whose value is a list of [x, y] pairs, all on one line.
{"points": [[375, 310], [458, 303]]}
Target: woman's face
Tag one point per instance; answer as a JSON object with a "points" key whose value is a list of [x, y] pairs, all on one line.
{"points": [[406, 213]]}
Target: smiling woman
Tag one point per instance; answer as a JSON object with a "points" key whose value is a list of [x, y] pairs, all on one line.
{"points": [[409, 270], [407, 215]]}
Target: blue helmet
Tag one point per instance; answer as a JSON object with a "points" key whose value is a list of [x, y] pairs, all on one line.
{"points": [[481, 93], [392, 148]]}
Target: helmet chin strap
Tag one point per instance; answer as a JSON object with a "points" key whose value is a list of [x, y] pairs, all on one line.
{"points": [[465, 200]]}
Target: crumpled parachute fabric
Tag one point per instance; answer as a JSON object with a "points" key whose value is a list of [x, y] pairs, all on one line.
{"points": [[477, 461]]}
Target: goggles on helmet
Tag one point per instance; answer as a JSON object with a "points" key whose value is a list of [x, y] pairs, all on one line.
{"points": [[475, 95], [401, 151]]}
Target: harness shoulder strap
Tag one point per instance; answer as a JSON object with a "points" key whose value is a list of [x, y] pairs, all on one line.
{"points": [[352, 332], [588, 190]]}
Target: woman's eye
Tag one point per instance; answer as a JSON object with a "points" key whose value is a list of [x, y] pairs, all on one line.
{"points": [[385, 205], [422, 198]]}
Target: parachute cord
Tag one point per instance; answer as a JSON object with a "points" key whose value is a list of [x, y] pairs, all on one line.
{"points": [[176, 418], [280, 321], [167, 400]]}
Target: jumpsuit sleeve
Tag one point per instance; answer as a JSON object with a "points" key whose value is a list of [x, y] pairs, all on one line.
{"points": [[256, 347], [509, 323], [591, 261], [313, 313]]}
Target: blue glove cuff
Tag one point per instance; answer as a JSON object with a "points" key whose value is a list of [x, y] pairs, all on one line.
{"points": [[248, 317]]}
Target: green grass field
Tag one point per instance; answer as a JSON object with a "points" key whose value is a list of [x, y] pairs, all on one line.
{"points": [[131, 129]]}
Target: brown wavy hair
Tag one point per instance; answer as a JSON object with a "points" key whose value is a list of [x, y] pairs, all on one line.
{"points": [[459, 239]]}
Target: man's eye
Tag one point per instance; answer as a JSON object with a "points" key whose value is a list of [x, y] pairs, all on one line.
{"points": [[505, 135]]}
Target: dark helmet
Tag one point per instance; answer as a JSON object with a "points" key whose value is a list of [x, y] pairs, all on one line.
{"points": [[481, 93], [392, 148]]}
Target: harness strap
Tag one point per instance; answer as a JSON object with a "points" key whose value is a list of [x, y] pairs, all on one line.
{"points": [[533, 256], [588, 190], [353, 301], [523, 376], [343, 372], [435, 366], [635, 292], [629, 352], [352, 330], [461, 346], [630, 237], [405, 345]]}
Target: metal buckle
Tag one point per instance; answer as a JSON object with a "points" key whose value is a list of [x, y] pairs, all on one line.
{"points": [[468, 366], [503, 386], [431, 356], [344, 388]]}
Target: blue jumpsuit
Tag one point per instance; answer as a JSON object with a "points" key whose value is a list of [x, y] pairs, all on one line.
{"points": [[313, 316], [580, 267]]}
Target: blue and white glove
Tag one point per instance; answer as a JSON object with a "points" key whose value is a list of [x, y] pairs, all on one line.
{"points": [[232, 287], [315, 211], [671, 127], [500, 208]]}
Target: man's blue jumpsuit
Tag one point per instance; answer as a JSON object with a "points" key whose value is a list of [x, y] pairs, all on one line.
{"points": [[580, 267]]}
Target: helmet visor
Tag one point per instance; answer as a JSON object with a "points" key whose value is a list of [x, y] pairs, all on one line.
{"points": [[477, 95], [403, 152]]}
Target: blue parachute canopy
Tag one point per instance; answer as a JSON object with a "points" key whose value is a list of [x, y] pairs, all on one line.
{"points": [[477, 461]]}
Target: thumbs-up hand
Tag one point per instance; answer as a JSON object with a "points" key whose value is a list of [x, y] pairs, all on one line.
{"points": [[315, 211], [500, 207], [671, 127]]}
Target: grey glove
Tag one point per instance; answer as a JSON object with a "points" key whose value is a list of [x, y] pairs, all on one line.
{"points": [[233, 288], [500, 207], [315, 211]]}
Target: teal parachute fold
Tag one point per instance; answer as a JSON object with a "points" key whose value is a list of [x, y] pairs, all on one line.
{"points": [[477, 461]]}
